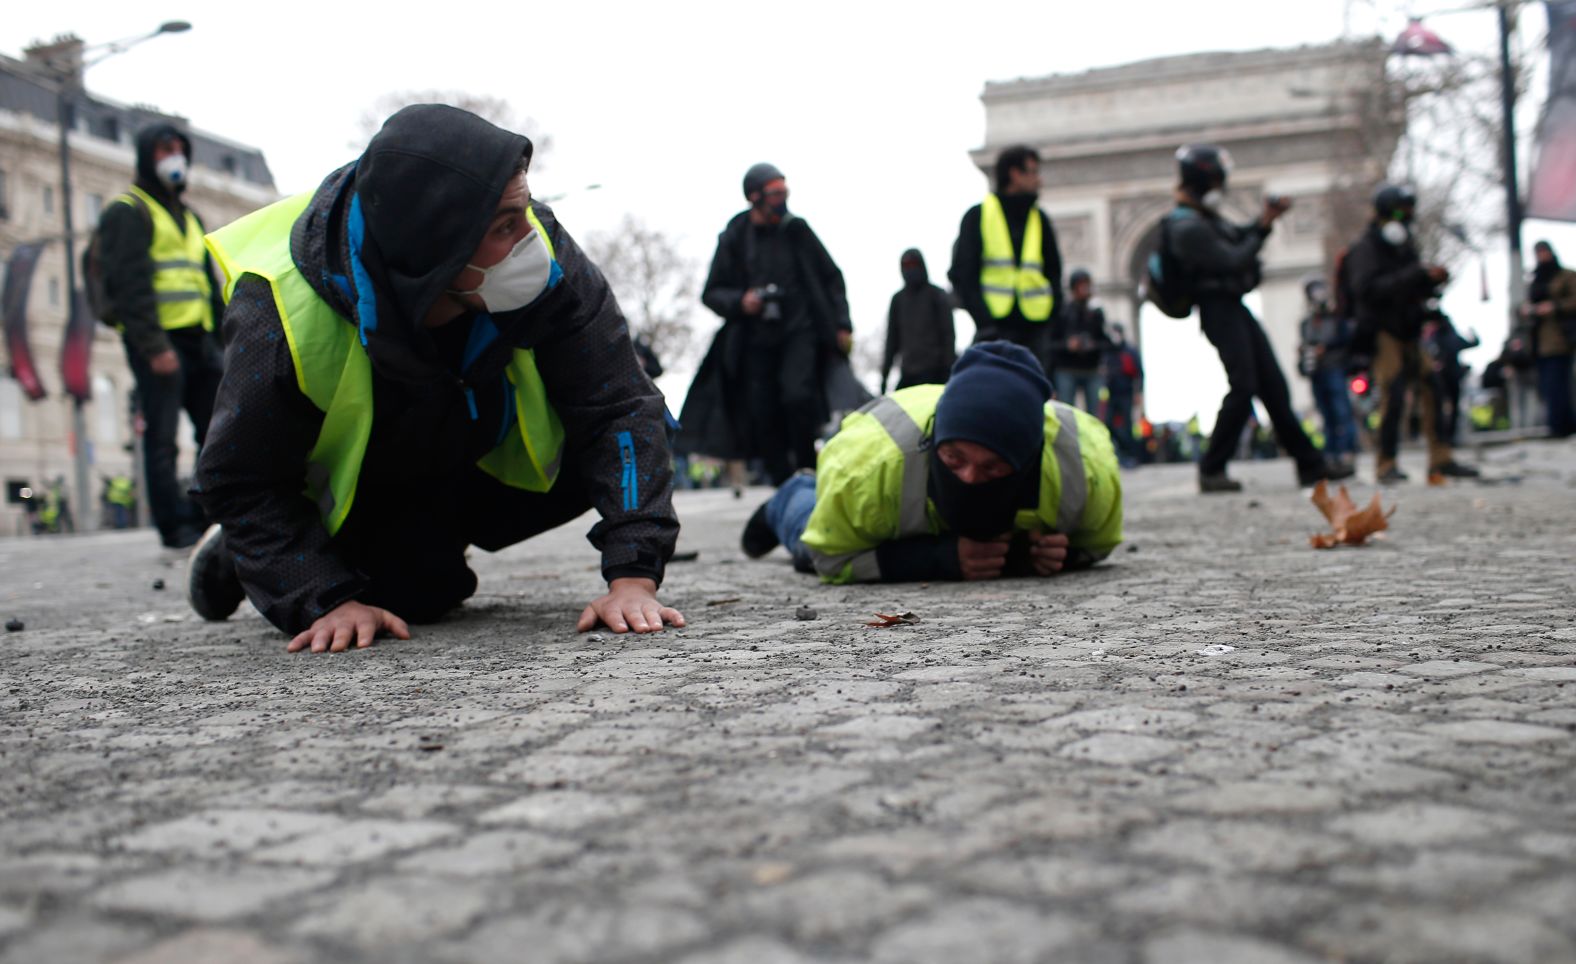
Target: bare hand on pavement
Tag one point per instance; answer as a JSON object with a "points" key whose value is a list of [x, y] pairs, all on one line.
{"points": [[346, 623], [630, 606]]}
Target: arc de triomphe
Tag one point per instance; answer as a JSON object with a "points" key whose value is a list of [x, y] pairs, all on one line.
{"points": [[1317, 124]]}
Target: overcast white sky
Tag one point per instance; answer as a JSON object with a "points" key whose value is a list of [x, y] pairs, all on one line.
{"points": [[869, 108]]}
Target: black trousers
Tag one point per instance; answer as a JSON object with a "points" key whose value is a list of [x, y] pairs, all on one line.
{"points": [[411, 541], [783, 396], [1251, 371], [162, 398]]}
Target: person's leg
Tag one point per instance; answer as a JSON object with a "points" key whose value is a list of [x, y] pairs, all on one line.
{"points": [[1066, 386], [788, 514], [1554, 384], [798, 376], [1225, 325], [1340, 426], [1276, 396], [1390, 380], [764, 402], [201, 369], [160, 397], [1428, 406]]}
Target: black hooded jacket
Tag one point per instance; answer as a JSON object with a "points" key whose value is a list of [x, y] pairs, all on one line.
{"points": [[125, 240], [1221, 258], [1390, 285], [428, 189], [919, 325]]}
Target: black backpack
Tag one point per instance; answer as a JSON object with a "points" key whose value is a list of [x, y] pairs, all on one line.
{"points": [[93, 267], [1165, 282]]}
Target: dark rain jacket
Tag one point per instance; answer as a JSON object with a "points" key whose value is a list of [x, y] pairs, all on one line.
{"points": [[1087, 321], [714, 420], [919, 326], [424, 437], [968, 253], [1221, 259], [125, 239], [1389, 284]]}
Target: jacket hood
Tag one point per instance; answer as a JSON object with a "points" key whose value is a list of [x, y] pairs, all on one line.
{"points": [[402, 222], [921, 275], [147, 139]]}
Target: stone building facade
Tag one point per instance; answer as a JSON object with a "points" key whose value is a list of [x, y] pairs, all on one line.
{"points": [[227, 180], [1318, 124]]}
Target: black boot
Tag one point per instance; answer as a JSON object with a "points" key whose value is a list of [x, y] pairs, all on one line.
{"points": [[758, 539], [1210, 484], [211, 583]]}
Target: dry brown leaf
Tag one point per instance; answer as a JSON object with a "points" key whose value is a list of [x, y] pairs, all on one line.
{"points": [[1351, 526], [884, 620]]}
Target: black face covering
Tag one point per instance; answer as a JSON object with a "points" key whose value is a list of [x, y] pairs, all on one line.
{"points": [[983, 510]]}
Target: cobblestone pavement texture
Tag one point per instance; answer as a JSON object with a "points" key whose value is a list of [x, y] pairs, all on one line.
{"points": [[1222, 747]]}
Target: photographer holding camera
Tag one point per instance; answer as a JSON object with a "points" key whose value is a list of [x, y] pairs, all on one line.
{"points": [[1221, 262], [760, 391], [1391, 288]]}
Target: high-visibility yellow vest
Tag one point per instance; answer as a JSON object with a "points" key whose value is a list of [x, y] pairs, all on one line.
{"points": [[871, 484], [333, 370], [180, 277], [121, 491], [1005, 279]]}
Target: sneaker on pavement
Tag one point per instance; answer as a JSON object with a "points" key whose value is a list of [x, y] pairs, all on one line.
{"points": [[758, 539], [1392, 476], [212, 586], [1337, 470], [1455, 470], [1218, 482]]}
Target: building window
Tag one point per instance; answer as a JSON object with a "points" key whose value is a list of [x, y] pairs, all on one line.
{"points": [[54, 292], [229, 163], [93, 205], [10, 408], [49, 199]]}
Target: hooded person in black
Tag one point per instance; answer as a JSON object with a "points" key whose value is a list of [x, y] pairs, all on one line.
{"points": [[417, 245], [167, 332], [919, 329]]}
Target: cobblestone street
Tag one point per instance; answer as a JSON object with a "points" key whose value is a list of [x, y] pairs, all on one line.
{"points": [[1222, 746]]}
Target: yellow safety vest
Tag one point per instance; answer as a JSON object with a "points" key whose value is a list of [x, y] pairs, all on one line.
{"points": [[1005, 279], [871, 484], [180, 277], [333, 370]]}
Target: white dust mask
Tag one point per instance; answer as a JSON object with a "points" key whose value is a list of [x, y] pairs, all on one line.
{"points": [[172, 170], [519, 279], [1395, 232], [1212, 198]]}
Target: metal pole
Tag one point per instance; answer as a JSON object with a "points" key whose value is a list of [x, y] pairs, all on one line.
{"points": [[1507, 96], [79, 434]]}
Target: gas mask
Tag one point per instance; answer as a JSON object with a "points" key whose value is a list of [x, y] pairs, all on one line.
{"points": [[524, 275], [1395, 233], [172, 170]]}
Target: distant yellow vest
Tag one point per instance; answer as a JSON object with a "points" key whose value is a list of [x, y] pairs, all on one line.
{"points": [[1005, 279], [180, 278], [333, 370]]}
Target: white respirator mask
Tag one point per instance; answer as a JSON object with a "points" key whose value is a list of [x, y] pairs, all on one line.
{"points": [[520, 278], [1395, 233], [172, 170]]}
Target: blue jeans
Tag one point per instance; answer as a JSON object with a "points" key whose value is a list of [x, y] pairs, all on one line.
{"points": [[788, 513], [1554, 384], [1069, 382], [1335, 407]]}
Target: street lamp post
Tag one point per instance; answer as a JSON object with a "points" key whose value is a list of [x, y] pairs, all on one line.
{"points": [[65, 107]]}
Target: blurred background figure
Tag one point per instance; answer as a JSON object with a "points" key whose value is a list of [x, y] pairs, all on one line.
{"points": [[1078, 340], [1550, 313], [1323, 357], [920, 337], [1124, 387]]}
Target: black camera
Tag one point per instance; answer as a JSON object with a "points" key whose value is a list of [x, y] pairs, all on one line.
{"points": [[771, 303]]}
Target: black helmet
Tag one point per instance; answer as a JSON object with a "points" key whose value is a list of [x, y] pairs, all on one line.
{"points": [[1079, 274], [1203, 166], [1393, 199], [758, 176]]}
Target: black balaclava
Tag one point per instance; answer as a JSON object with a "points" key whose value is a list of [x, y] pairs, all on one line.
{"points": [[428, 185], [912, 264], [996, 398]]}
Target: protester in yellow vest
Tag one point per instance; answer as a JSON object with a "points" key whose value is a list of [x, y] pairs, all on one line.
{"points": [[981, 479], [159, 294], [1006, 268], [420, 359]]}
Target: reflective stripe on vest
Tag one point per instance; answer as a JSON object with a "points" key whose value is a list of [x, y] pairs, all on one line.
{"points": [[181, 287], [333, 371], [1070, 469], [1005, 280]]}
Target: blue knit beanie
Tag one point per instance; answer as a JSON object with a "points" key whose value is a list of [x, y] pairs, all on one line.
{"points": [[996, 398]]}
